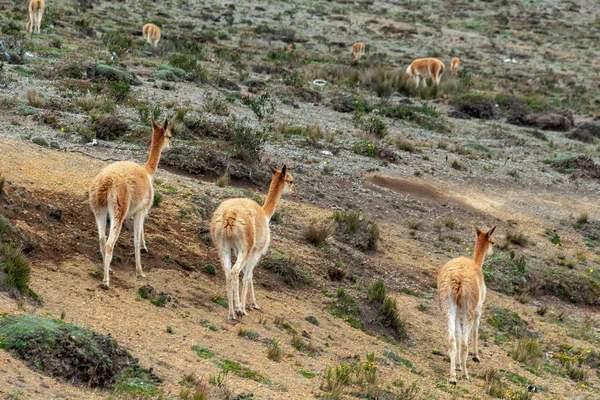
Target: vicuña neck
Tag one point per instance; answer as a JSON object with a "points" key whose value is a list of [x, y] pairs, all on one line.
{"points": [[154, 157], [480, 250], [273, 197]]}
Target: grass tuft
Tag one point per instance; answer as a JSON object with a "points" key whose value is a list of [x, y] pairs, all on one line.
{"points": [[317, 233]]}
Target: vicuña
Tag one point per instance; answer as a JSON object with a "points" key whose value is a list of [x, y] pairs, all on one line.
{"points": [[241, 226], [151, 33], [36, 11], [357, 51], [425, 68], [122, 190], [454, 65], [461, 293]]}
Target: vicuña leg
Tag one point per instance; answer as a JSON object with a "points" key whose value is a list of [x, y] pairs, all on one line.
{"points": [[476, 335], [138, 234], [451, 317], [115, 230], [458, 336], [225, 255], [242, 258], [248, 282], [417, 80], [101, 224], [467, 325]]}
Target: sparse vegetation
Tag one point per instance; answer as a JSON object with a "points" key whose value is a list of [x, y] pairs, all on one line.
{"points": [[317, 233], [15, 270], [361, 232]]}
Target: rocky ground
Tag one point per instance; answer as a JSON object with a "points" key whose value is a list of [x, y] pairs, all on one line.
{"points": [[512, 144]]}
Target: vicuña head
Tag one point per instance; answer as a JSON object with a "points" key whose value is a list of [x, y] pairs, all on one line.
{"points": [[425, 68], [122, 190], [151, 33], [36, 12], [454, 65], [241, 227], [461, 293]]}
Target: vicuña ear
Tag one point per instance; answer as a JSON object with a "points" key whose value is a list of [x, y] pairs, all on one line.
{"points": [[491, 232], [477, 229], [165, 125], [283, 171], [273, 170], [154, 126]]}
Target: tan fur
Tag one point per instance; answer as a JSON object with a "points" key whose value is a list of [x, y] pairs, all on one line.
{"points": [[425, 68], [124, 189], [454, 65], [461, 294], [357, 51], [151, 33], [241, 227], [36, 12]]}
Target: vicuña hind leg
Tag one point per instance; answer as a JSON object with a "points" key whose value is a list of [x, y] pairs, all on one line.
{"points": [[242, 258], [101, 224], [458, 336], [115, 230], [467, 325], [138, 233], [475, 334], [452, 350], [247, 282], [225, 255]]}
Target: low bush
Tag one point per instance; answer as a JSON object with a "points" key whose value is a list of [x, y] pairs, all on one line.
{"points": [[110, 128], [14, 268], [68, 351], [357, 230]]}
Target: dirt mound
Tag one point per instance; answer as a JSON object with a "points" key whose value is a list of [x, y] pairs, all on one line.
{"points": [[420, 190], [475, 106], [583, 164], [199, 160], [543, 120], [585, 132], [63, 350]]}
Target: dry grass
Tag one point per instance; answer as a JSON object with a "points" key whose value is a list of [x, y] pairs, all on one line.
{"points": [[527, 351], [34, 98], [517, 238], [317, 233]]}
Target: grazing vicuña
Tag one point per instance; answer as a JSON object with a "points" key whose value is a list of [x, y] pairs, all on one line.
{"points": [[454, 65], [241, 226], [461, 293], [124, 189], [425, 68], [358, 49], [36, 11], [151, 33]]}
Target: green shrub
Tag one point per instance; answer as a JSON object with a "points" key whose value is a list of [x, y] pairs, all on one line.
{"points": [[119, 90], [15, 267], [189, 64], [377, 292], [262, 106], [157, 199], [389, 316], [248, 141], [362, 232], [274, 353], [209, 269]]}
